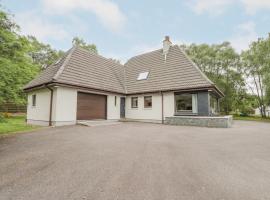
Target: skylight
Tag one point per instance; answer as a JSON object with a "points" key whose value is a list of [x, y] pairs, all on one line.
{"points": [[143, 76]]}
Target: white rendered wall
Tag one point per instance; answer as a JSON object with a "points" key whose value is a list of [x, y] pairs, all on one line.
{"points": [[39, 114], [113, 111], [64, 111], [168, 103], [65, 107], [154, 113], [142, 113]]}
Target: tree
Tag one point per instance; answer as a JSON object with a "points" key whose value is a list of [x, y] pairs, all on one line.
{"points": [[80, 42], [42, 54], [220, 63], [16, 68], [21, 59], [256, 67]]}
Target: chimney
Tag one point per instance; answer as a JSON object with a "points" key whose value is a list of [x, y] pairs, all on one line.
{"points": [[166, 45]]}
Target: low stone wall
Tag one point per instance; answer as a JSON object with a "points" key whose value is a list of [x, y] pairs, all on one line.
{"points": [[216, 122]]}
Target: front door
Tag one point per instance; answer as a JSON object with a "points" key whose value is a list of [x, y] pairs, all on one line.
{"points": [[122, 107]]}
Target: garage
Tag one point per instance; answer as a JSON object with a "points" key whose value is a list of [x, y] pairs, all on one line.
{"points": [[91, 106]]}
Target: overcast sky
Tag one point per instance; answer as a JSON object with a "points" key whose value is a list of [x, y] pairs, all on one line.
{"points": [[124, 28]]}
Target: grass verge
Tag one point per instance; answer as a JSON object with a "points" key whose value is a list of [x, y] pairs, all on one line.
{"points": [[15, 124], [251, 118]]}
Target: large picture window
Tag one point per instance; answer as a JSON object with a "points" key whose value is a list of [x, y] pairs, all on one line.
{"points": [[186, 103], [134, 102]]}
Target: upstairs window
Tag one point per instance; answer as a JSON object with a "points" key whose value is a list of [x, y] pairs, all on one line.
{"points": [[34, 97], [143, 76], [148, 101], [115, 100], [134, 102]]}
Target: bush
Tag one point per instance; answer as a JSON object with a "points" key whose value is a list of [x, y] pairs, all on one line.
{"points": [[2, 118], [7, 115]]}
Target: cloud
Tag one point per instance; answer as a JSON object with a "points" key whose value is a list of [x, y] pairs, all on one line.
{"points": [[32, 23], [244, 34], [217, 7], [106, 11], [252, 6]]}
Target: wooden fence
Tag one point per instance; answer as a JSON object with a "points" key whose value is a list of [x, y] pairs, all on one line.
{"points": [[13, 108]]}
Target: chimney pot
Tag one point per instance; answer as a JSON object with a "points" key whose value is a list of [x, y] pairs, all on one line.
{"points": [[166, 45], [167, 38]]}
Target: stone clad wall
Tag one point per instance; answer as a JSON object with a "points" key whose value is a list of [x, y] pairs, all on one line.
{"points": [[215, 122]]}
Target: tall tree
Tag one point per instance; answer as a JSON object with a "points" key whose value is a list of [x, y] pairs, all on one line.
{"points": [[42, 54], [16, 67], [220, 63], [80, 42], [21, 59], [256, 67]]}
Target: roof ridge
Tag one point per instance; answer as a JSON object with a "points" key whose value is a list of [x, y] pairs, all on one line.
{"points": [[145, 53], [195, 65], [142, 54], [62, 67], [98, 55]]}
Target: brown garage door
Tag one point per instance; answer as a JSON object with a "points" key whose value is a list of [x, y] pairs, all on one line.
{"points": [[91, 106]]}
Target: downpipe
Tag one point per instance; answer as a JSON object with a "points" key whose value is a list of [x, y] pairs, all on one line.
{"points": [[51, 104]]}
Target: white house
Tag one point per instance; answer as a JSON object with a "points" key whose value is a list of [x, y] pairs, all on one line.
{"points": [[149, 87]]}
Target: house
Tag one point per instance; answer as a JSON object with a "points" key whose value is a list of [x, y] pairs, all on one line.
{"points": [[149, 87]]}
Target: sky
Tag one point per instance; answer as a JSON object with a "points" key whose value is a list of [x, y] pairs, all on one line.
{"points": [[125, 28]]}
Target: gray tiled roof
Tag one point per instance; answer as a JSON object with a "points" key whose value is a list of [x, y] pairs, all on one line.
{"points": [[82, 68], [47, 75], [177, 72]]}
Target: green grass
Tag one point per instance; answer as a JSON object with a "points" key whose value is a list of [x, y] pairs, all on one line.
{"points": [[15, 124], [251, 118]]}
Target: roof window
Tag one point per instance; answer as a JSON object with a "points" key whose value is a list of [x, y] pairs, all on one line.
{"points": [[143, 76]]}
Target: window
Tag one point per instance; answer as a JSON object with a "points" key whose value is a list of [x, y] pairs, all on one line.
{"points": [[34, 100], [143, 76], [148, 102], [134, 102], [186, 103], [214, 104], [115, 100]]}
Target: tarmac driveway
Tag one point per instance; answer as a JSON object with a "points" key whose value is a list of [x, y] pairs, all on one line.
{"points": [[137, 161]]}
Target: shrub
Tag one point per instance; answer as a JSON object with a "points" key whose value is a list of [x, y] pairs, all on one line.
{"points": [[7, 115], [2, 118]]}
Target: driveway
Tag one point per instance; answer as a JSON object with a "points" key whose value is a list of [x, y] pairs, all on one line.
{"points": [[137, 161]]}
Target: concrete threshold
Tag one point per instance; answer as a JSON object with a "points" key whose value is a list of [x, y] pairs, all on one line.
{"points": [[98, 122]]}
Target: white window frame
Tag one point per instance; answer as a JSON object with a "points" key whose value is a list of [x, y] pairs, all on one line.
{"points": [[147, 107], [131, 102]]}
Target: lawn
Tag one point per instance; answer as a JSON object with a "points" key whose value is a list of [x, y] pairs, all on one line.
{"points": [[251, 118], [15, 124]]}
